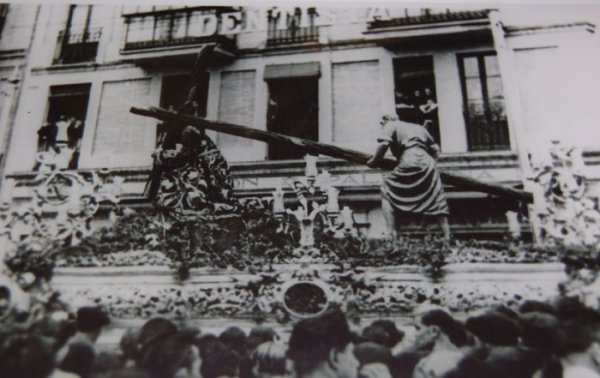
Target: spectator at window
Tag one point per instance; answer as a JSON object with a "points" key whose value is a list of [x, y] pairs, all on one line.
{"points": [[47, 136]]}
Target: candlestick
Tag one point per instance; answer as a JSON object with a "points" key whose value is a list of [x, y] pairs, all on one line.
{"points": [[278, 200], [514, 227], [311, 166], [324, 180], [347, 218], [332, 200]]}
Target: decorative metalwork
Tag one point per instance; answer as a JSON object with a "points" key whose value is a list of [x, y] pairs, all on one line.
{"points": [[285, 28], [77, 47], [277, 295], [176, 27], [308, 192], [563, 212], [63, 206]]}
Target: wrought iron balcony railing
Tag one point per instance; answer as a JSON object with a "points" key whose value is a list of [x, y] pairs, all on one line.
{"points": [[175, 27], [292, 35], [487, 135], [77, 47], [295, 31]]}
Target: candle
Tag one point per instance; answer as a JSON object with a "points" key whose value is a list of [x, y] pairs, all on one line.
{"points": [[278, 200], [332, 200], [347, 218], [311, 166], [514, 227], [325, 180]]}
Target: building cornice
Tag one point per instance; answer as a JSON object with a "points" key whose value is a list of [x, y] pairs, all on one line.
{"points": [[513, 31]]}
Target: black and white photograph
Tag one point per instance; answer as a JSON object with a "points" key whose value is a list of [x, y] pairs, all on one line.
{"points": [[335, 189]]}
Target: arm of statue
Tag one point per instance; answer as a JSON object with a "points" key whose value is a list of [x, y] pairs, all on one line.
{"points": [[375, 160], [434, 151]]}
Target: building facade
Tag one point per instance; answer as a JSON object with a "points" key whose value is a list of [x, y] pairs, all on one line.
{"points": [[490, 93]]}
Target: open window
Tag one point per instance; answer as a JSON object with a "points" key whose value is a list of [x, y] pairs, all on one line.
{"points": [[415, 93], [65, 122], [293, 110], [293, 107]]}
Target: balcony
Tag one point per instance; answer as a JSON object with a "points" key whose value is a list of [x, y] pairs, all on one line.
{"points": [[432, 28], [77, 47], [428, 17], [176, 28], [291, 36], [292, 31], [487, 135]]}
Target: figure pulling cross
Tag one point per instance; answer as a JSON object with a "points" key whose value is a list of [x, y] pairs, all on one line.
{"points": [[414, 186]]}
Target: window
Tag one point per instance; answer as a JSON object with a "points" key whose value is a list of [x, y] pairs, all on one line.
{"points": [[174, 92], [415, 95], [293, 110], [79, 41], [483, 102], [63, 130]]}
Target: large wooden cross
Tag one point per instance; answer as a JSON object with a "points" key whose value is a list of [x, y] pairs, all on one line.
{"points": [[316, 148]]}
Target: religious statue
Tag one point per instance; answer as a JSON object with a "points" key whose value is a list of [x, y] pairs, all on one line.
{"points": [[190, 178], [414, 186]]}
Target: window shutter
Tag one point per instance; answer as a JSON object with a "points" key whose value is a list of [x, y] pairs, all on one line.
{"points": [[236, 106], [356, 104], [118, 131]]}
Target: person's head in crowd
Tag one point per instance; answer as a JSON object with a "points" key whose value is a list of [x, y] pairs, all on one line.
{"points": [[234, 338], [171, 355], [536, 306], [322, 347], [541, 331], [580, 348], [370, 353], [508, 312], [90, 321], [129, 343], [472, 365], [395, 335], [568, 308], [218, 361], [513, 361], [57, 332], [259, 335], [128, 372], [442, 327], [270, 361], [376, 334], [403, 364], [26, 356], [494, 328], [205, 343], [79, 359], [374, 370], [105, 363], [154, 329]]}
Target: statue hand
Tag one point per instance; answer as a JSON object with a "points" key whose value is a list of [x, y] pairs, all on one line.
{"points": [[372, 163]]}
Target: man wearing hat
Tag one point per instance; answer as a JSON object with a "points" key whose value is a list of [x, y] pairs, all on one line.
{"points": [[322, 347]]}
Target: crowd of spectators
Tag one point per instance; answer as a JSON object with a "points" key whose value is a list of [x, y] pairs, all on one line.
{"points": [[540, 339]]}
